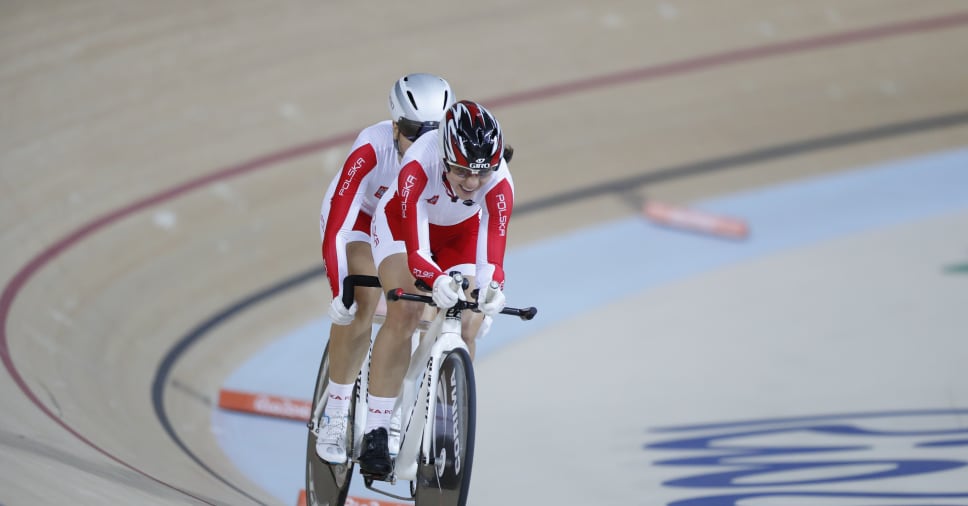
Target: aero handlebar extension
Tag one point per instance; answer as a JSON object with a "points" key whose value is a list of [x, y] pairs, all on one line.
{"points": [[352, 281]]}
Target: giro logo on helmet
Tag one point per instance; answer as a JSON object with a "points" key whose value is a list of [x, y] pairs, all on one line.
{"points": [[481, 163]]}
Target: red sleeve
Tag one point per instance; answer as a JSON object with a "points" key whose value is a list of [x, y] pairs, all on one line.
{"points": [[347, 193], [499, 204], [416, 228]]}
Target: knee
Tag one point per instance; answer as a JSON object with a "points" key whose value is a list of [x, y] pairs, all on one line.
{"points": [[367, 301], [484, 327], [403, 317], [470, 322]]}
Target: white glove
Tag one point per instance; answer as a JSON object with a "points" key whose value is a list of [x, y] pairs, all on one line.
{"points": [[490, 299], [445, 292], [340, 314]]}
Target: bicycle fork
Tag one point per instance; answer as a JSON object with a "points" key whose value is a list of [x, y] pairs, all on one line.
{"points": [[416, 444]]}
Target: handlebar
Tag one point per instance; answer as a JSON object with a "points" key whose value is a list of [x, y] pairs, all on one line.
{"points": [[354, 280], [526, 313]]}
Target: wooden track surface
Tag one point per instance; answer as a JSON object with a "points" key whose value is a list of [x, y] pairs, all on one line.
{"points": [[120, 233]]}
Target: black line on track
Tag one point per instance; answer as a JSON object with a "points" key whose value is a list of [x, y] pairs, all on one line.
{"points": [[619, 186], [168, 363]]}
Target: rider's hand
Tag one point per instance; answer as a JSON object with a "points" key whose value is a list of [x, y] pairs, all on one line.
{"points": [[490, 299], [340, 314], [445, 292]]}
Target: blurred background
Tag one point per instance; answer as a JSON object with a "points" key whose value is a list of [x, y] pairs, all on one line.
{"points": [[161, 161]]}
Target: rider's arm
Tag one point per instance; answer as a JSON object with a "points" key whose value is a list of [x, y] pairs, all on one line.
{"points": [[416, 227], [345, 194], [492, 237]]}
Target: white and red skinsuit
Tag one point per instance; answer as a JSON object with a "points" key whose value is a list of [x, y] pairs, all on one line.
{"points": [[352, 197], [420, 215]]}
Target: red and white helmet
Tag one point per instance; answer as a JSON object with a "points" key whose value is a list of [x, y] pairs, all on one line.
{"points": [[471, 137]]}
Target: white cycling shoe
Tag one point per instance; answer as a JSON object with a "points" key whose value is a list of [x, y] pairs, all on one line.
{"points": [[331, 440]]}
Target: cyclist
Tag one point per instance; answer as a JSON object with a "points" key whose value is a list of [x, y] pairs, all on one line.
{"points": [[448, 210], [417, 102]]}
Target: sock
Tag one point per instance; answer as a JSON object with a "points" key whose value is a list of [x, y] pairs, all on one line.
{"points": [[378, 412], [338, 403]]}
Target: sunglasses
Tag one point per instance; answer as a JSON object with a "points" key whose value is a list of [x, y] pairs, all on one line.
{"points": [[466, 172], [411, 129]]}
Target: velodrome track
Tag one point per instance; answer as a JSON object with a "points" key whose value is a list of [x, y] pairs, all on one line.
{"points": [[853, 252], [159, 164]]}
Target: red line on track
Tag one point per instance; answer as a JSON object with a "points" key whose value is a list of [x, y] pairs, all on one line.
{"points": [[22, 276], [735, 56]]}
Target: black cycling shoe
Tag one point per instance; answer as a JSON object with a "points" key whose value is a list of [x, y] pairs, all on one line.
{"points": [[375, 457]]}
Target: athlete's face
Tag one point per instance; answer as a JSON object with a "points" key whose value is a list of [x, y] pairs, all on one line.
{"points": [[403, 143], [464, 181]]}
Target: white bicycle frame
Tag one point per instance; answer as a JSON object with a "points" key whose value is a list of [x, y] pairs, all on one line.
{"points": [[416, 406], [441, 336]]}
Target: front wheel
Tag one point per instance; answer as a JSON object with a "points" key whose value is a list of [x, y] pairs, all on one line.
{"points": [[328, 484], [446, 480]]}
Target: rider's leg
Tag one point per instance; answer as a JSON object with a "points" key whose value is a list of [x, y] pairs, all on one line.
{"points": [[429, 312], [348, 345], [391, 349], [469, 320], [470, 326], [458, 251], [388, 364]]}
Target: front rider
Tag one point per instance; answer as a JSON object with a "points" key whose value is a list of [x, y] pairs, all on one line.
{"points": [[448, 210]]}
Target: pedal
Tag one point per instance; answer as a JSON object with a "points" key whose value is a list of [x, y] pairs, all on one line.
{"points": [[368, 480]]}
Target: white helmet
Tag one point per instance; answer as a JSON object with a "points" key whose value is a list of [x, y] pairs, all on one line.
{"points": [[418, 102]]}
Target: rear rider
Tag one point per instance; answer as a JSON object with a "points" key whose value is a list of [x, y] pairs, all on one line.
{"points": [[417, 102]]}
